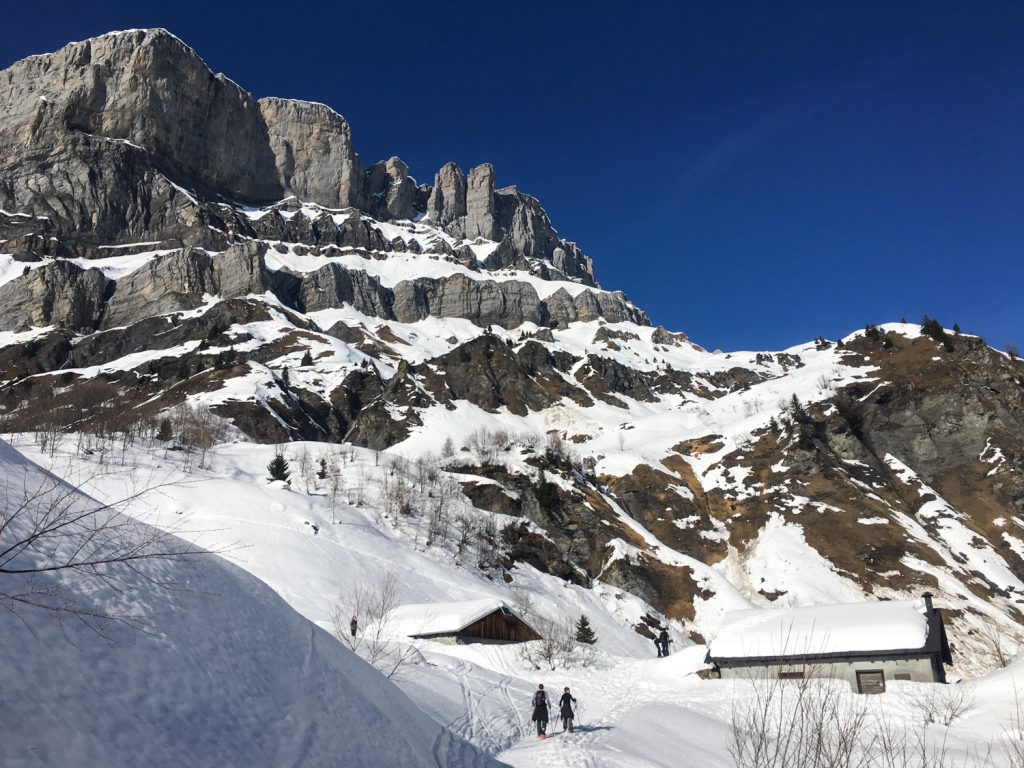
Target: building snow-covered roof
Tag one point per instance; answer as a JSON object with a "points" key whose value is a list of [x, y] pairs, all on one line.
{"points": [[443, 618], [876, 627]]}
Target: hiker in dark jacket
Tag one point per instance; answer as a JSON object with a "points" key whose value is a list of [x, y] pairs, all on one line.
{"points": [[565, 706], [540, 711], [657, 644], [665, 640]]}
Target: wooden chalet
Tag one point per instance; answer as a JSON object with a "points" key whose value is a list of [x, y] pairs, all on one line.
{"points": [[472, 621]]}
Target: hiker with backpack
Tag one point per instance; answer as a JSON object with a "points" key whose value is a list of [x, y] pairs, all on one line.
{"points": [[665, 640], [566, 705], [540, 711]]}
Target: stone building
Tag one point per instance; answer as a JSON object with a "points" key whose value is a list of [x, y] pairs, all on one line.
{"points": [[867, 644]]}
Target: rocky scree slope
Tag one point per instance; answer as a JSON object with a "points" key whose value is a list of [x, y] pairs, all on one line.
{"points": [[166, 240]]}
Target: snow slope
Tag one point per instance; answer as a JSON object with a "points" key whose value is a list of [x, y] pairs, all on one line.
{"points": [[225, 673], [635, 711]]}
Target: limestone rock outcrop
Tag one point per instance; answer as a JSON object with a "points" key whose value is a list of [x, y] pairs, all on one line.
{"points": [[61, 293], [313, 152]]}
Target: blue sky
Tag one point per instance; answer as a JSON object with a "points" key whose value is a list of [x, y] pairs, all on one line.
{"points": [[754, 174]]}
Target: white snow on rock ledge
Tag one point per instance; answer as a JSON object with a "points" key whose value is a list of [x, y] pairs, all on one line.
{"points": [[845, 628], [228, 674]]}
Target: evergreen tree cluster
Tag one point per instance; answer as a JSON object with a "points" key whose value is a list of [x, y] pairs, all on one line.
{"points": [[933, 328]]}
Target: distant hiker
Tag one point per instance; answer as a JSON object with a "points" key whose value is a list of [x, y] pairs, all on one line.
{"points": [[665, 640], [316, 529], [540, 712], [565, 706], [657, 644], [353, 625]]}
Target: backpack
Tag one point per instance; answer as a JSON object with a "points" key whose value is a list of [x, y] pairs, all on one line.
{"points": [[539, 698]]}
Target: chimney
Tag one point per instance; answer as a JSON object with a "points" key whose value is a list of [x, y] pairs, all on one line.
{"points": [[928, 603]]}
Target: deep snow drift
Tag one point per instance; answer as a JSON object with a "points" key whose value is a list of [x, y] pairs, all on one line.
{"points": [[223, 673]]}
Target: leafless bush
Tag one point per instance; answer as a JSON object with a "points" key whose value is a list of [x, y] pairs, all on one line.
{"points": [[557, 647], [307, 471], [821, 723], [795, 724], [368, 607], [197, 427], [397, 495], [357, 491], [557, 450], [942, 704], [1001, 645], [488, 546], [553, 648], [485, 445], [335, 487]]}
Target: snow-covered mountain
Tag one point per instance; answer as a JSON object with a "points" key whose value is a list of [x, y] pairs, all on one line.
{"points": [[196, 276]]}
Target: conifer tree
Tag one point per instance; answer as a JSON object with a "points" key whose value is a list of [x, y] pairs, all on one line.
{"points": [[307, 359], [278, 468], [797, 410], [584, 632], [164, 433]]}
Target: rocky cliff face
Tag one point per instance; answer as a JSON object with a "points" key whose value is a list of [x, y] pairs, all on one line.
{"points": [[165, 239], [132, 120]]}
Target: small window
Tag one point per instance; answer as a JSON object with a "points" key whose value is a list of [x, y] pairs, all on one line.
{"points": [[871, 682], [902, 676], [791, 675]]}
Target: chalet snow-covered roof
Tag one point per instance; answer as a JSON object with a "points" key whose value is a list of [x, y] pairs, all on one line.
{"points": [[876, 627], [442, 618]]}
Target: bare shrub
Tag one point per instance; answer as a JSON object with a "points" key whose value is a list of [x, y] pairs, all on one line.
{"points": [[557, 646], [556, 450], [368, 607], [335, 487], [1001, 645], [809, 723], [485, 445], [942, 704], [198, 428], [304, 461], [553, 648], [795, 723]]}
